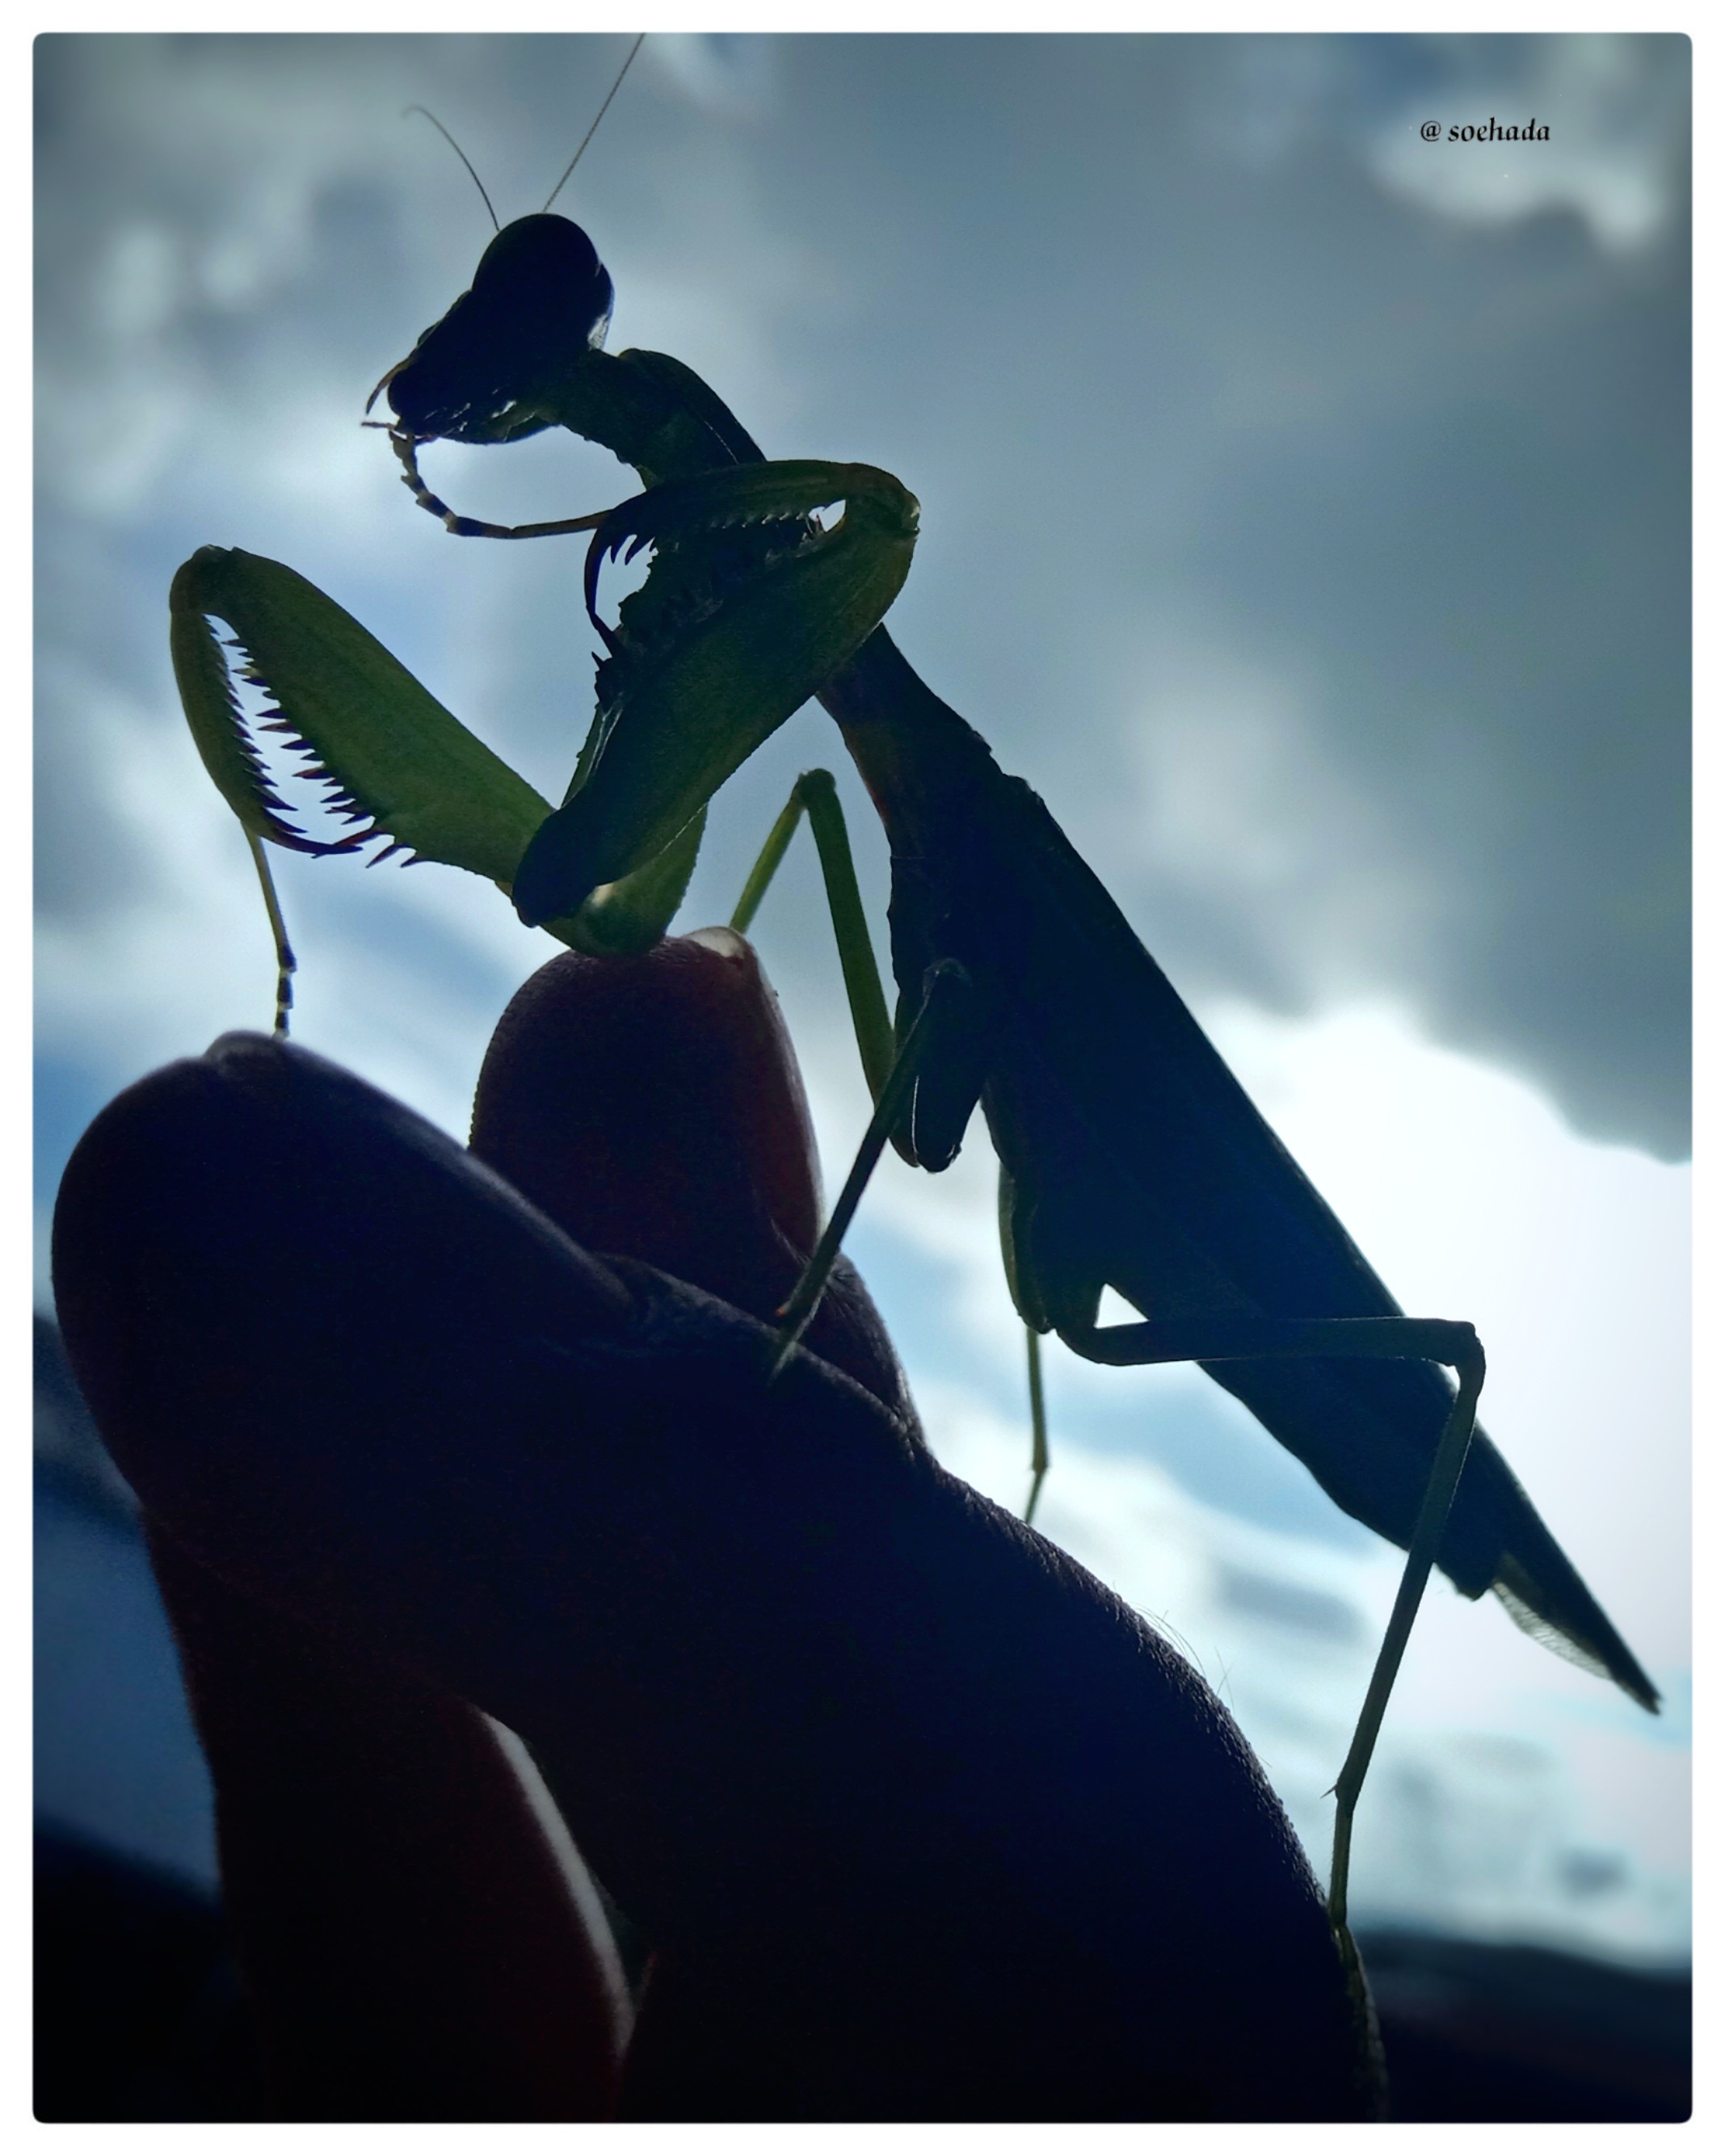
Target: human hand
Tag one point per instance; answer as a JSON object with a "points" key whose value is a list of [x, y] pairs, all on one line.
{"points": [[919, 1821]]}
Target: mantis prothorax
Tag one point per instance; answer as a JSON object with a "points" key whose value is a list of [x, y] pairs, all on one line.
{"points": [[1005, 947]]}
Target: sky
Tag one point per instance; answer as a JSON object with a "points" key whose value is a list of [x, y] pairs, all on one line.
{"points": [[1305, 514]]}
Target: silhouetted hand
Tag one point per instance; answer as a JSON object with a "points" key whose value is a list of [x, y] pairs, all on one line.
{"points": [[919, 1821]]}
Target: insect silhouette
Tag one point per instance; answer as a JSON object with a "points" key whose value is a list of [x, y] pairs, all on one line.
{"points": [[1130, 1156]]}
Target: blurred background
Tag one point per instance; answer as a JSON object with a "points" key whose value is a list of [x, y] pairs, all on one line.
{"points": [[1305, 511]]}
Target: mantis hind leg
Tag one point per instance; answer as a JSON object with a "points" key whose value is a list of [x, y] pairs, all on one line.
{"points": [[1229, 1338]]}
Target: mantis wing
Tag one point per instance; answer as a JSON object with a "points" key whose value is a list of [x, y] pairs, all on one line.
{"points": [[1191, 1203]]}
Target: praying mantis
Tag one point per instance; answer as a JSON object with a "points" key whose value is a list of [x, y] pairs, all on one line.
{"points": [[1130, 1158]]}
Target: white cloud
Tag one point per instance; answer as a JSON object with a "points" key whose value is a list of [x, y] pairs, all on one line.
{"points": [[728, 74], [1613, 158], [1242, 802]]}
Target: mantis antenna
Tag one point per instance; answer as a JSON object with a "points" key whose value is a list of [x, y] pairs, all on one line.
{"points": [[598, 116], [424, 114]]}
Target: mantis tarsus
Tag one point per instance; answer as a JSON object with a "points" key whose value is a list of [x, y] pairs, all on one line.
{"points": [[1132, 1160]]}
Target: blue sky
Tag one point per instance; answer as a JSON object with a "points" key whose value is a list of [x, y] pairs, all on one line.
{"points": [[1305, 514]]}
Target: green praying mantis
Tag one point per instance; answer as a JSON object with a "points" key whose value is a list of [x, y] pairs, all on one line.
{"points": [[1130, 1156]]}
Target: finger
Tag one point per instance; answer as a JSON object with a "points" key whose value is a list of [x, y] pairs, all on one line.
{"points": [[418, 1939], [652, 1106]]}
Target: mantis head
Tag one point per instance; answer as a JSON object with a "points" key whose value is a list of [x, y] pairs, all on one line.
{"points": [[540, 297]]}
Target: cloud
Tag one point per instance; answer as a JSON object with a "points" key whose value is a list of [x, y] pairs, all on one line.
{"points": [[1614, 106], [1206, 417], [728, 74]]}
